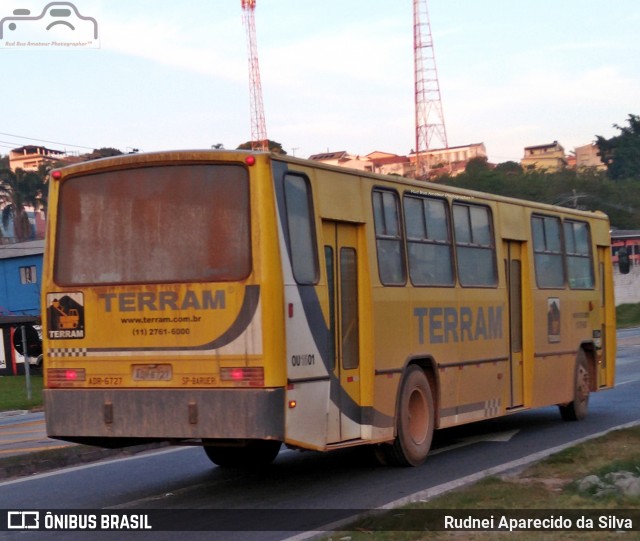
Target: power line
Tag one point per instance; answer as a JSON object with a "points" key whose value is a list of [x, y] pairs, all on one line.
{"points": [[45, 141], [10, 144]]}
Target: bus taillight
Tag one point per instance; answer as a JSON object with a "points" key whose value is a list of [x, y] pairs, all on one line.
{"points": [[247, 375], [64, 377]]}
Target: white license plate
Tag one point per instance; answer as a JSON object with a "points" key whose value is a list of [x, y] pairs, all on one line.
{"points": [[152, 372]]}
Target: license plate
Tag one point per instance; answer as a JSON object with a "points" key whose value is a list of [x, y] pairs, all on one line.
{"points": [[152, 372]]}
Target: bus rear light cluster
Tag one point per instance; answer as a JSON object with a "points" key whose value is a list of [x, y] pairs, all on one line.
{"points": [[64, 377], [252, 376]]}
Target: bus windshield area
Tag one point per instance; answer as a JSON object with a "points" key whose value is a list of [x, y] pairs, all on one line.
{"points": [[154, 224]]}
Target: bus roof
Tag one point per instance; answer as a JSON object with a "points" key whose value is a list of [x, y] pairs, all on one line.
{"points": [[198, 155]]}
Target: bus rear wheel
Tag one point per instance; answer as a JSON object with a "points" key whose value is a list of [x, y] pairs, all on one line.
{"points": [[577, 409], [249, 454], [415, 421]]}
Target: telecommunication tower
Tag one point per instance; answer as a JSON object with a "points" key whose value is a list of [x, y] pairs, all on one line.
{"points": [[259, 139], [430, 128]]}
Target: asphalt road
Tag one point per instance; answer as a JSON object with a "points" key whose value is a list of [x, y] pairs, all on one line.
{"points": [[183, 478]]}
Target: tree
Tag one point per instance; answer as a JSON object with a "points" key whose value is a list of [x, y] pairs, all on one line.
{"points": [[18, 190], [273, 147], [621, 153], [477, 166], [104, 152], [510, 168]]}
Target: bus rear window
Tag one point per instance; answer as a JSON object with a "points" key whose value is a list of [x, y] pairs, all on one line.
{"points": [[173, 223]]}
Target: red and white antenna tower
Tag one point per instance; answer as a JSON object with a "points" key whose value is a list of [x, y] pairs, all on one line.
{"points": [[259, 139], [430, 128]]}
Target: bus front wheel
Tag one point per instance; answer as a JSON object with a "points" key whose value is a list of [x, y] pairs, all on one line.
{"points": [[415, 420], [578, 407], [250, 454]]}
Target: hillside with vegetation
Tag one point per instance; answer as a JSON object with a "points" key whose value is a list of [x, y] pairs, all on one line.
{"points": [[588, 190], [615, 191]]}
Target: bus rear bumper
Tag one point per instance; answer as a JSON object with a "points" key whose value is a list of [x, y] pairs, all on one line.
{"points": [[97, 415]]}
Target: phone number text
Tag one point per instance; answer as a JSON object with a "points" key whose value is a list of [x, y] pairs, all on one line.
{"points": [[161, 332]]}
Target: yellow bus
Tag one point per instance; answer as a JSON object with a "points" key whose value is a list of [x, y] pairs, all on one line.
{"points": [[240, 300]]}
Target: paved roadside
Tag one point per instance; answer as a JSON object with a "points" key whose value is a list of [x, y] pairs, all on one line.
{"points": [[24, 432], [25, 448]]}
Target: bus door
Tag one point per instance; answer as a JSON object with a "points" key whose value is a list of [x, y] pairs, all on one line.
{"points": [[341, 258], [604, 301], [513, 265]]}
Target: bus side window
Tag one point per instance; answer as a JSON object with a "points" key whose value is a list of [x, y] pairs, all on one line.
{"points": [[475, 248], [547, 251], [428, 241], [386, 214], [304, 260], [577, 242]]}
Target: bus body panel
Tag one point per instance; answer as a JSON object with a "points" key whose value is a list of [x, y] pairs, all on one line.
{"points": [[326, 403], [164, 414]]}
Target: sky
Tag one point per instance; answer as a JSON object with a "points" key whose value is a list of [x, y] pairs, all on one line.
{"points": [[336, 74]]}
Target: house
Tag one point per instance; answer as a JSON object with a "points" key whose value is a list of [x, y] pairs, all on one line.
{"points": [[20, 278], [550, 157], [451, 160], [386, 163], [20, 284], [587, 157], [343, 159], [30, 157]]}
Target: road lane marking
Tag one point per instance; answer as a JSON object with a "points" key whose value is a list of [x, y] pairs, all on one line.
{"points": [[20, 426], [492, 437], [18, 432], [12, 413], [22, 450], [21, 440], [618, 383]]}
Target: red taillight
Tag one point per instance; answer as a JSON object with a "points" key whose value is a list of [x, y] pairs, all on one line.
{"points": [[61, 377], [252, 376], [250, 160]]}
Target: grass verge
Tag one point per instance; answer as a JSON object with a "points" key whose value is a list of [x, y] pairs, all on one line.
{"points": [[552, 484], [628, 315], [13, 393]]}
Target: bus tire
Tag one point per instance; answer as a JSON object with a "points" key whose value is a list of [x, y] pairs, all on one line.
{"points": [[252, 454], [577, 409], [414, 420]]}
